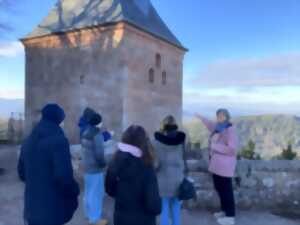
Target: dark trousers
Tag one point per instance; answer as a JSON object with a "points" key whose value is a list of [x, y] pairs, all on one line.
{"points": [[224, 188]]}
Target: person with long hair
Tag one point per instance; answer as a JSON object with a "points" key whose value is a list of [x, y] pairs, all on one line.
{"points": [[223, 145], [132, 182], [169, 143]]}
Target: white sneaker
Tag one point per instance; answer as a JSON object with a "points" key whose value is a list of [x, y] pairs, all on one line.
{"points": [[218, 215], [226, 221]]}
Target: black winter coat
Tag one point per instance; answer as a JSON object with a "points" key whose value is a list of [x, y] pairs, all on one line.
{"points": [[135, 189], [51, 193]]}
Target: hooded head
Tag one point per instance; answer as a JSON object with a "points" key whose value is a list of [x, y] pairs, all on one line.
{"points": [[89, 117], [95, 119], [83, 121], [53, 113], [87, 113]]}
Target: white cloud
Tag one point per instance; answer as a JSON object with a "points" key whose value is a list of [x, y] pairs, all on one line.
{"points": [[11, 49], [247, 86], [259, 100], [272, 71], [12, 94]]}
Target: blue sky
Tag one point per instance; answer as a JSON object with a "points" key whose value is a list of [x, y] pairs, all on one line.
{"points": [[244, 54]]}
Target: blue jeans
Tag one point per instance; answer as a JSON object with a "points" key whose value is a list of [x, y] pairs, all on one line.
{"points": [[171, 206], [93, 196]]}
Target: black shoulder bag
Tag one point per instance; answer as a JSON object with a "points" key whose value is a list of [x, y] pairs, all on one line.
{"points": [[187, 189]]}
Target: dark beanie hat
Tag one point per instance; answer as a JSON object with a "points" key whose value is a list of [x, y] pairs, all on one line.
{"points": [[88, 113], [53, 113], [95, 119]]}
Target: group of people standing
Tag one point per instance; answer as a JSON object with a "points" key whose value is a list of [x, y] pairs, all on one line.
{"points": [[144, 175]]}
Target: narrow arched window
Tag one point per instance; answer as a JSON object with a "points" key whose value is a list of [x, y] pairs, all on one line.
{"points": [[82, 78], [151, 75], [158, 60], [164, 78]]}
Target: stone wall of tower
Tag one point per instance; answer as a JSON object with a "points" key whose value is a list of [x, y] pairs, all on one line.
{"points": [[106, 68], [76, 70], [147, 103]]}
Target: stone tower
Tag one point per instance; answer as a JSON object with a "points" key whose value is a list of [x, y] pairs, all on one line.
{"points": [[116, 56]]}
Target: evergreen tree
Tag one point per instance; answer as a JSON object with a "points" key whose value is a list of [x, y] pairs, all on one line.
{"points": [[248, 152], [288, 153]]}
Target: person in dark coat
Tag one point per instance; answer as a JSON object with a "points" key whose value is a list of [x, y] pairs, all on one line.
{"points": [[131, 180], [51, 192]]}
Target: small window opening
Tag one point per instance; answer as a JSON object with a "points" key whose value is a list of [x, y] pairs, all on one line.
{"points": [[164, 78], [158, 60], [82, 79], [151, 75]]}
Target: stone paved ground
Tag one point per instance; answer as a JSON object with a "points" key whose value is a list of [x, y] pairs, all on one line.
{"points": [[11, 197]]}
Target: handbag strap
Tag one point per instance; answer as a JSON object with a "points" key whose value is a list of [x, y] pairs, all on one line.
{"points": [[184, 156]]}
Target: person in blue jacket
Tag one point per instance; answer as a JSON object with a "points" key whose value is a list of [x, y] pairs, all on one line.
{"points": [[92, 141], [83, 123], [51, 192]]}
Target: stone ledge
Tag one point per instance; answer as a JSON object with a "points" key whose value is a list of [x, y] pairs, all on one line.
{"points": [[252, 165], [258, 184]]}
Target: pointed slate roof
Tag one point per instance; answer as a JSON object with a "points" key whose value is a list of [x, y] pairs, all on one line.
{"points": [[68, 15]]}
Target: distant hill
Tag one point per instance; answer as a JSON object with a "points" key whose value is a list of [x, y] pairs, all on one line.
{"points": [[7, 106], [3, 127], [271, 133], [11, 105]]}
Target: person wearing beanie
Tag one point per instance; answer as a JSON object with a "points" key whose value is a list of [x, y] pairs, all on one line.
{"points": [[92, 141], [84, 120], [169, 145], [223, 146], [51, 192]]}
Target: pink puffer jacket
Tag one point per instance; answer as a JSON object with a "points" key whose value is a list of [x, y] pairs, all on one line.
{"points": [[223, 150]]}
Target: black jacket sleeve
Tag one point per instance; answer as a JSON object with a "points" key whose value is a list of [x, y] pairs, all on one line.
{"points": [[21, 168], [152, 198], [112, 175], [63, 171], [111, 181]]}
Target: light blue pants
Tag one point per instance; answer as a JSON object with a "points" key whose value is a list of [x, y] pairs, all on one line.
{"points": [[171, 206], [93, 196]]}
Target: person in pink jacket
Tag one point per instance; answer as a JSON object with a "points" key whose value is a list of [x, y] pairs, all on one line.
{"points": [[223, 145]]}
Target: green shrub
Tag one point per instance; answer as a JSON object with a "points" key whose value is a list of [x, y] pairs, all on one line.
{"points": [[288, 153], [248, 152]]}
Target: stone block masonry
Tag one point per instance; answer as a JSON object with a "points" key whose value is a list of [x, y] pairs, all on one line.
{"points": [[117, 57], [258, 184]]}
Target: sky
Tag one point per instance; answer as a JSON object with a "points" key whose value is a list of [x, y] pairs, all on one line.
{"points": [[244, 55]]}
